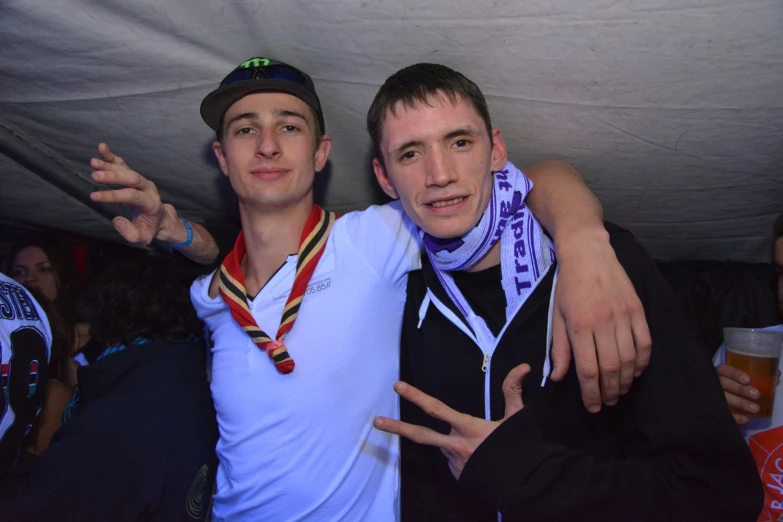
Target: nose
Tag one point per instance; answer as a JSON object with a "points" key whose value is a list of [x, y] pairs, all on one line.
{"points": [[267, 144], [441, 170]]}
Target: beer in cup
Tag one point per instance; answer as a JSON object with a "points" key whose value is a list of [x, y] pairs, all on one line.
{"points": [[756, 353]]}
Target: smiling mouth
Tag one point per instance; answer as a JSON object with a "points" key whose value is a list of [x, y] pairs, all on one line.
{"points": [[446, 203], [268, 171]]}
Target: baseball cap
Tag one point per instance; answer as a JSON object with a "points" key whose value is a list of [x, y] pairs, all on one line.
{"points": [[259, 74]]}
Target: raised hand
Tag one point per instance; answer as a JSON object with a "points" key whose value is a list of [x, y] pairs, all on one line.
{"points": [[139, 193]]}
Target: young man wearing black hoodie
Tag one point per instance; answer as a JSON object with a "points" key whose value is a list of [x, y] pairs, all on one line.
{"points": [[498, 435]]}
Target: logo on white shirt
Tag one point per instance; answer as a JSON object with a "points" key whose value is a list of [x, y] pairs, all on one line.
{"points": [[312, 288]]}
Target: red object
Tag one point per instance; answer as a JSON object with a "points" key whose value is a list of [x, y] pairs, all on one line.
{"points": [[79, 253], [767, 450]]}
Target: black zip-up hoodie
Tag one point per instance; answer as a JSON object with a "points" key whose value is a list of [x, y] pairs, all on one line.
{"points": [[669, 451], [141, 445]]}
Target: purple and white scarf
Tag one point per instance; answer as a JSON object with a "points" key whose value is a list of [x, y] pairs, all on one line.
{"points": [[526, 253]]}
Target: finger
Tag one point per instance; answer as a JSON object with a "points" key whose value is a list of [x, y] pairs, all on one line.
{"points": [[641, 337], [145, 202], [561, 348], [586, 362], [109, 156], [131, 233], [732, 373], [626, 351], [418, 434], [124, 176], [740, 419], [608, 362], [740, 404], [512, 389], [431, 406], [99, 164], [740, 390]]}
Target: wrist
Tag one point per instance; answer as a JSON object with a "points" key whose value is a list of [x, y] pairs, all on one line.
{"points": [[172, 230], [575, 239]]}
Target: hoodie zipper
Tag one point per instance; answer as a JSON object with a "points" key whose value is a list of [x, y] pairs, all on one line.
{"points": [[487, 359]]}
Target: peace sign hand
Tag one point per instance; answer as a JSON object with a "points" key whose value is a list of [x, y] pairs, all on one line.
{"points": [[467, 432]]}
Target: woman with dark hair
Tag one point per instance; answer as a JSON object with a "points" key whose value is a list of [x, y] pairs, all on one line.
{"points": [[138, 438], [44, 265]]}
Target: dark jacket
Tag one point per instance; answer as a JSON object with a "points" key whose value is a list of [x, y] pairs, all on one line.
{"points": [[669, 451], [141, 445]]}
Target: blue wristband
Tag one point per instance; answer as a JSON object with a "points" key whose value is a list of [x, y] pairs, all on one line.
{"points": [[189, 240]]}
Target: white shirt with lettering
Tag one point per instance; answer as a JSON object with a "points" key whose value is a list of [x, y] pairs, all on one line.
{"points": [[25, 345], [302, 446]]}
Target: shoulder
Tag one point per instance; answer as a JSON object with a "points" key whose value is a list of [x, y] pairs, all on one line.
{"points": [[204, 295], [19, 308], [390, 214]]}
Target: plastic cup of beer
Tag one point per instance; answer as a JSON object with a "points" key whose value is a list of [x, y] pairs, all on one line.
{"points": [[756, 353]]}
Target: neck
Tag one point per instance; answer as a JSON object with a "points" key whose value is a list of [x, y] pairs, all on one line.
{"points": [[492, 258], [269, 239]]}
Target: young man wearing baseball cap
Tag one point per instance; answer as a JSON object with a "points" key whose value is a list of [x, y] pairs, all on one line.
{"points": [[305, 311]]}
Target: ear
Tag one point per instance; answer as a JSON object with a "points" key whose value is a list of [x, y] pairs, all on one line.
{"points": [[499, 152], [217, 148], [322, 152], [383, 179]]}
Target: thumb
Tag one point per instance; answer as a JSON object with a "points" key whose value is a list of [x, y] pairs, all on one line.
{"points": [[512, 389], [561, 348]]}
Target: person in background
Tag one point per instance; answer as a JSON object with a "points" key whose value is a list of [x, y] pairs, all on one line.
{"points": [[138, 437], [736, 384], [25, 343], [57, 392], [44, 265], [741, 396]]}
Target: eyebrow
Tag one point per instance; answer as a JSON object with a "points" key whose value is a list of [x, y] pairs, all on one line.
{"points": [[277, 113], [243, 116], [411, 143], [37, 264], [462, 131], [287, 113]]}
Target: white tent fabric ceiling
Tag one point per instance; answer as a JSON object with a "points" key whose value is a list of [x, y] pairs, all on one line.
{"points": [[672, 109]]}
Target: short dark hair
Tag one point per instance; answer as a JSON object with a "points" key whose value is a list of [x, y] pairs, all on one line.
{"points": [[147, 297], [777, 228], [417, 84]]}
